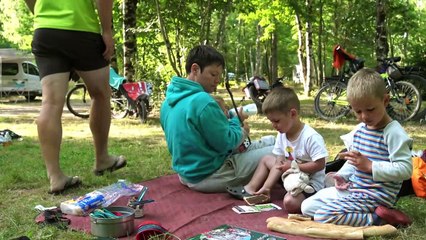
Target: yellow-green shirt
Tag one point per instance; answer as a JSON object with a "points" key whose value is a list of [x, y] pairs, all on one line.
{"points": [[77, 15]]}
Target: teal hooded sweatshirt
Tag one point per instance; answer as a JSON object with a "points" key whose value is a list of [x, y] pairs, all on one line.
{"points": [[198, 134]]}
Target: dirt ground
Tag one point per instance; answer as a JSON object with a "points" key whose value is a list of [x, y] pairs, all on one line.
{"points": [[14, 107]]}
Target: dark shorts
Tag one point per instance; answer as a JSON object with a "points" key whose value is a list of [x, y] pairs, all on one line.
{"points": [[59, 51]]}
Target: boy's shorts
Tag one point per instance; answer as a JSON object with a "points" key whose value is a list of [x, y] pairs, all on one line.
{"points": [[59, 51]]}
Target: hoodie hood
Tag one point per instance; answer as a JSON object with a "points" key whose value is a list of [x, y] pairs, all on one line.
{"points": [[181, 88]]}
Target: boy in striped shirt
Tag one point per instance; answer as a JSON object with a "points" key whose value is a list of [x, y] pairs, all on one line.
{"points": [[379, 159]]}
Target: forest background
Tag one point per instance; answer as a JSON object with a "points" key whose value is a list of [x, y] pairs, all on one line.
{"points": [[258, 37], [270, 38]]}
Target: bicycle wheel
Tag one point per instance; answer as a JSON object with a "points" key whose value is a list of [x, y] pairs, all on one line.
{"points": [[142, 110], [119, 104], [78, 101], [420, 83], [404, 102], [330, 102]]}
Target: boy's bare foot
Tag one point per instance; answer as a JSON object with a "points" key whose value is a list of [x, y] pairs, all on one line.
{"points": [[264, 191]]}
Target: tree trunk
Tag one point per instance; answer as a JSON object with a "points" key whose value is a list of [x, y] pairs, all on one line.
{"points": [[180, 6], [248, 64], [320, 75], [172, 58], [258, 61], [252, 63], [237, 51], [336, 22], [206, 10], [300, 50], [382, 46], [129, 26], [222, 25], [405, 48], [274, 56], [309, 53], [406, 36]]}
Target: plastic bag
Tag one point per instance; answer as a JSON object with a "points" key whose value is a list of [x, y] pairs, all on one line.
{"points": [[102, 197]]}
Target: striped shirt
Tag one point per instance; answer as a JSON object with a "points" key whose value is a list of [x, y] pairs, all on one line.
{"points": [[371, 143]]}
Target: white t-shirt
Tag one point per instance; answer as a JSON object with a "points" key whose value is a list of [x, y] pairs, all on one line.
{"points": [[309, 146]]}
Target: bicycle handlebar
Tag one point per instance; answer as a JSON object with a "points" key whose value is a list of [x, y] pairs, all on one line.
{"points": [[389, 60]]}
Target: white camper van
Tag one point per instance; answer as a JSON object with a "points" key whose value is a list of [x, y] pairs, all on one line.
{"points": [[19, 76]]}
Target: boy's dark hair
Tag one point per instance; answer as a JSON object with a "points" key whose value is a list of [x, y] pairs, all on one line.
{"points": [[203, 55], [281, 99]]}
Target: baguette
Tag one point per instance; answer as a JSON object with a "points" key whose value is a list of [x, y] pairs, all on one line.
{"points": [[379, 230], [325, 230]]}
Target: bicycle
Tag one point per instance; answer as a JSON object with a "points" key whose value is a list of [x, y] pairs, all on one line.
{"points": [[257, 89], [405, 100], [78, 102], [418, 79], [126, 99]]}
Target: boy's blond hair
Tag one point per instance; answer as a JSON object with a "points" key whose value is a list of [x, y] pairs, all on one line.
{"points": [[366, 83], [281, 99]]}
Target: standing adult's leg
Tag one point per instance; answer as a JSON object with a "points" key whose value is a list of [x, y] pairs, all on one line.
{"points": [[97, 82], [49, 126]]}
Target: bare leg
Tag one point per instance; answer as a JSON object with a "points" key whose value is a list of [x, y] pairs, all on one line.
{"points": [[292, 203], [49, 126], [261, 176], [97, 82], [273, 177]]}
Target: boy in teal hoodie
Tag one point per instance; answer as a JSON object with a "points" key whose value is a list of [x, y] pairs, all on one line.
{"points": [[199, 136]]}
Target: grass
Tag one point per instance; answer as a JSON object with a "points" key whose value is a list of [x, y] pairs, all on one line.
{"points": [[24, 182]]}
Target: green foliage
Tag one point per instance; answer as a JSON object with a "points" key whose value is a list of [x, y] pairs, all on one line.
{"points": [[409, 32], [272, 16], [350, 23], [16, 24]]}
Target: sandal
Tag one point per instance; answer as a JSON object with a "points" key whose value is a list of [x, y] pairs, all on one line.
{"points": [[119, 162], [238, 192], [71, 182], [53, 217], [393, 216]]}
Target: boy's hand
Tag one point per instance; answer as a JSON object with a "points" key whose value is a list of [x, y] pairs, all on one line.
{"points": [[361, 162], [283, 165], [340, 183]]}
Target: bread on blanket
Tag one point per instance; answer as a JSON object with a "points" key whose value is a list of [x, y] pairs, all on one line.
{"points": [[312, 229], [325, 230], [379, 230]]}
